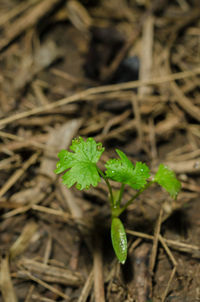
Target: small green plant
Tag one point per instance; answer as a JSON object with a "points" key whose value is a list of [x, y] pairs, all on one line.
{"points": [[82, 170]]}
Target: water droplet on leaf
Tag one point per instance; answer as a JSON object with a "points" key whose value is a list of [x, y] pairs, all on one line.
{"points": [[75, 140], [99, 147], [78, 186]]}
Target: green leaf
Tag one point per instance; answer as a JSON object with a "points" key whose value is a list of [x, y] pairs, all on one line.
{"points": [[167, 179], [119, 240], [80, 164], [122, 170]]}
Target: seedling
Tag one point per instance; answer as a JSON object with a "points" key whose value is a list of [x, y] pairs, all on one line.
{"points": [[82, 170]]}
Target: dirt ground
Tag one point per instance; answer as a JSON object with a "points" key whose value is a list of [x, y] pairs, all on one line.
{"points": [[128, 74]]}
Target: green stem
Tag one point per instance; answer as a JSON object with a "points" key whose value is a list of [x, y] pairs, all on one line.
{"points": [[109, 187], [121, 210], [120, 195]]}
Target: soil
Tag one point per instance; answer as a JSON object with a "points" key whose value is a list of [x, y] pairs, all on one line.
{"points": [[127, 74]]}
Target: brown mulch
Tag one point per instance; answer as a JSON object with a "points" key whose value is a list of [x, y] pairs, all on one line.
{"points": [[128, 74]]}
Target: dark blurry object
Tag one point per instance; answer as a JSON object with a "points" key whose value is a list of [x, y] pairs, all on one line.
{"points": [[158, 6], [127, 71], [104, 45]]}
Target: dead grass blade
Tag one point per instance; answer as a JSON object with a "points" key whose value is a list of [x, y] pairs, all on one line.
{"points": [[176, 245], [23, 241], [155, 242], [50, 273], [98, 271], [102, 89], [47, 286], [11, 181], [7, 288], [86, 288], [28, 19]]}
